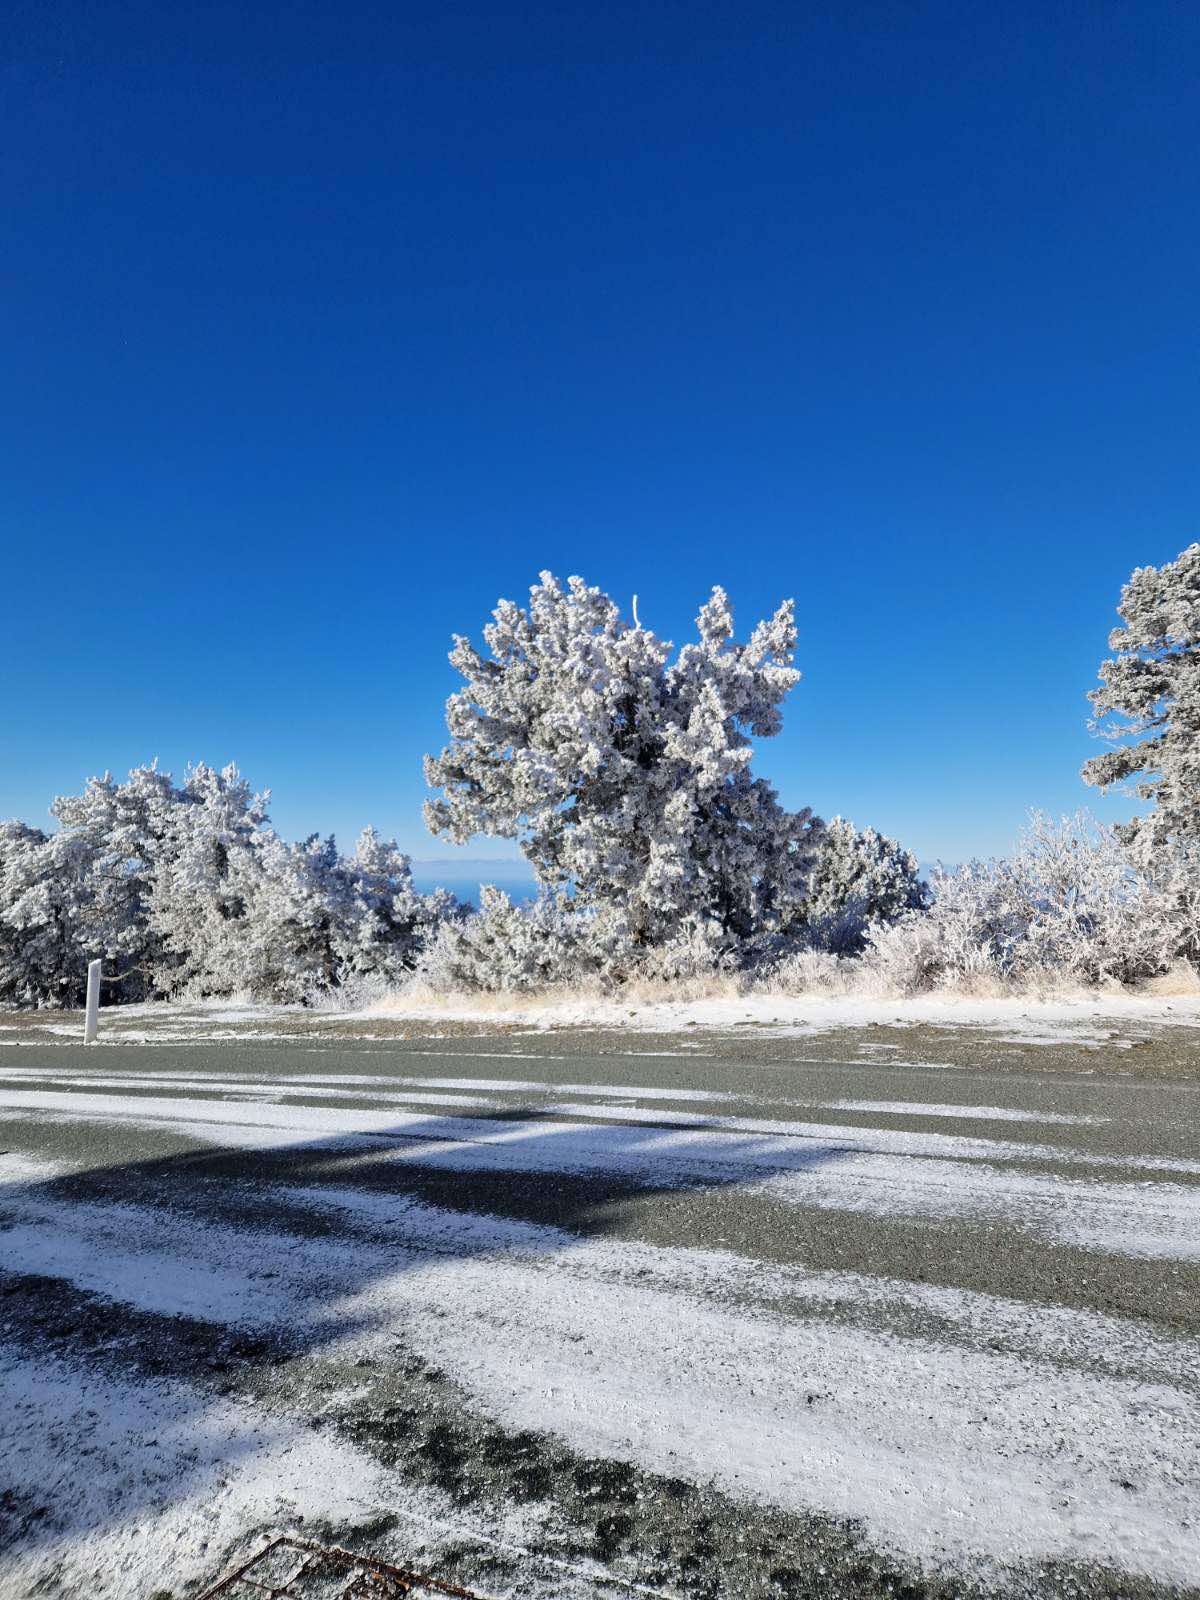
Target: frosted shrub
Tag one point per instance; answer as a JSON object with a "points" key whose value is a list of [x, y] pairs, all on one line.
{"points": [[554, 942], [355, 994], [858, 878], [905, 957], [1071, 905], [698, 949], [808, 972], [504, 948]]}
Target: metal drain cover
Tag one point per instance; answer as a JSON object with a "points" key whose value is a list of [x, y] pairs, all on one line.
{"points": [[296, 1569]]}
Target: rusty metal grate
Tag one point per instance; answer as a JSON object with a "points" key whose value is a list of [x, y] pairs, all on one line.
{"points": [[296, 1569]]}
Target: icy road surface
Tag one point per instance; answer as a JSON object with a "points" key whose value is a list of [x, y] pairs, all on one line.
{"points": [[906, 1311]]}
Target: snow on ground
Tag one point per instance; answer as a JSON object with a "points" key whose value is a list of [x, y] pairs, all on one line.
{"points": [[960, 1428], [912, 1108], [1084, 1019], [908, 1434], [1089, 1018], [167, 1479], [675, 1146], [173, 1479]]}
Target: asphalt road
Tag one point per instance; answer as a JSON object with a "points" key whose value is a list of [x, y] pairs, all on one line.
{"points": [[888, 1312]]}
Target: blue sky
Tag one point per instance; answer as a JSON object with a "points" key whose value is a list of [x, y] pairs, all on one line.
{"points": [[327, 325]]}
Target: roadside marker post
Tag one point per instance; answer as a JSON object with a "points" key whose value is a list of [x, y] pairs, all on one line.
{"points": [[92, 1015]]}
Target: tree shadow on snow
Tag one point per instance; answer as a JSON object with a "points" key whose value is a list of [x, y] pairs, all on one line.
{"points": [[210, 1261]]}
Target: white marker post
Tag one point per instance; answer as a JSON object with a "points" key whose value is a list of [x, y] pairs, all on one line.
{"points": [[92, 1014]]}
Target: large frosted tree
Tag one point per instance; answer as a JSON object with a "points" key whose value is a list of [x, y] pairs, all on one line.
{"points": [[1150, 693], [622, 771]]}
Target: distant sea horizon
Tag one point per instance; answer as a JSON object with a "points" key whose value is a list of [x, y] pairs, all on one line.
{"points": [[465, 877]]}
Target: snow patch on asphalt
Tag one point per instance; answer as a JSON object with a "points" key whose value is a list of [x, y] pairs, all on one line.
{"points": [[683, 1361], [838, 1168], [175, 1480], [724, 1140], [172, 1478], [921, 1108]]}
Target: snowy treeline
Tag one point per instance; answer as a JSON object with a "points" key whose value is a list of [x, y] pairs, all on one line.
{"points": [[624, 771], [628, 775], [186, 889]]}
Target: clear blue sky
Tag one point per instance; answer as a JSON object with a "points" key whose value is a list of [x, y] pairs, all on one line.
{"points": [[325, 325]]}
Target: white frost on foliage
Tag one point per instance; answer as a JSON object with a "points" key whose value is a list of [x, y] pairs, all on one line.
{"points": [[624, 770], [859, 878], [189, 890], [623, 773], [1153, 682], [1070, 904]]}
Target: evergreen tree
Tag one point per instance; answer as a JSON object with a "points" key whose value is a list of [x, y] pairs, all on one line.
{"points": [[1152, 682], [623, 773]]}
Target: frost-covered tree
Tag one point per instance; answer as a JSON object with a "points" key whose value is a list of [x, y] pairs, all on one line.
{"points": [[208, 881], [859, 877], [241, 910], [83, 890], [622, 772], [321, 920], [188, 889], [381, 924], [39, 962], [1150, 692], [110, 840]]}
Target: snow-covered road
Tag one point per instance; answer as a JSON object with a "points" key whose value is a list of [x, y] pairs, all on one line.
{"points": [[913, 1320]]}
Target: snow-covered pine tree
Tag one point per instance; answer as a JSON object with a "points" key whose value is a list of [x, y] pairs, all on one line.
{"points": [[189, 890], [83, 891], [39, 964], [1152, 682], [858, 878], [380, 923], [622, 772], [321, 920], [207, 883], [110, 839]]}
